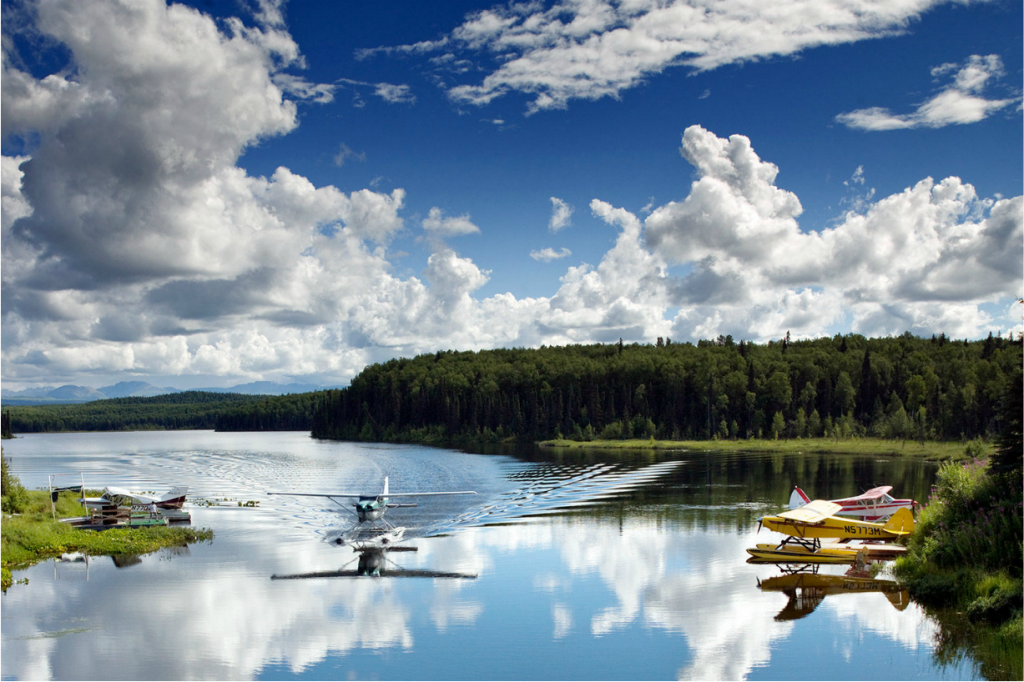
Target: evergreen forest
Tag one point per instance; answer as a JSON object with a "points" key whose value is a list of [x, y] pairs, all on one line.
{"points": [[185, 410], [902, 387]]}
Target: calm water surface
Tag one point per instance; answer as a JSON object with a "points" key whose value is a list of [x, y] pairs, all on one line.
{"points": [[562, 567]]}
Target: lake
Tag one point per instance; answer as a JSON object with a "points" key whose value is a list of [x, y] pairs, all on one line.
{"points": [[563, 566]]}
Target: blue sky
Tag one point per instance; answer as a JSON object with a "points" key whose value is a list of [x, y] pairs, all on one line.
{"points": [[231, 191]]}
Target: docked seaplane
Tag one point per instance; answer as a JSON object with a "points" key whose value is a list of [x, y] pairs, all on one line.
{"points": [[806, 526], [873, 505], [172, 499], [369, 510]]}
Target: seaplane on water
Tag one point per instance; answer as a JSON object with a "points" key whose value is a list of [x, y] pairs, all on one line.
{"points": [[873, 505], [370, 510], [809, 524]]}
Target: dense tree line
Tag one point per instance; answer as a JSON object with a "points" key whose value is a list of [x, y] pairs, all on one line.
{"points": [[5, 425], [291, 412], [901, 387], [185, 410]]}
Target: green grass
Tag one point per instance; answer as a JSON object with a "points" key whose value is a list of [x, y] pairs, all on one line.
{"points": [[931, 450], [33, 535]]}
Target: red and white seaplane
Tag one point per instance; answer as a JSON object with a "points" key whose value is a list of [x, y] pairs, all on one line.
{"points": [[873, 505]]}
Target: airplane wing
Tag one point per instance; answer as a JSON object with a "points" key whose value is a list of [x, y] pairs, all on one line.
{"points": [[382, 573], [457, 492], [873, 494], [812, 512], [324, 494], [111, 491]]}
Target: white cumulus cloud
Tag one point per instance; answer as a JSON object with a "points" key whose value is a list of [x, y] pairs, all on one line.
{"points": [[891, 266], [134, 244], [589, 49], [561, 215], [549, 254], [959, 102], [437, 223]]}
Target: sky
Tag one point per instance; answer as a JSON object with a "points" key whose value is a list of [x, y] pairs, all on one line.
{"points": [[229, 191]]}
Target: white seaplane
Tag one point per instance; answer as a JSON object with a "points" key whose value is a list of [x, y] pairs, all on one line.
{"points": [[369, 510], [113, 497], [873, 505]]}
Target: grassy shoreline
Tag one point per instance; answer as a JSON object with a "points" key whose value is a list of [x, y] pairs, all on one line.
{"points": [[929, 450], [33, 535]]}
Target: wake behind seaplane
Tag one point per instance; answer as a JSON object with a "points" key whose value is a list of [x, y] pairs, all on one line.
{"points": [[370, 510]]}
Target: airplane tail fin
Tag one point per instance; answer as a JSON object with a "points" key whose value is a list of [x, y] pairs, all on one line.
{"points": [[900, 523], [385, 493], [798, 498]]}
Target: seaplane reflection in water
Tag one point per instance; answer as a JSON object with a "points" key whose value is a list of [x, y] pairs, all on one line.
{"points": [[372, 530], [374, 563], [806, 588]]}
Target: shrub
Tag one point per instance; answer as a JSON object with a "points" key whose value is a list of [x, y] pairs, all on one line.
{"points": [[14, 496]]}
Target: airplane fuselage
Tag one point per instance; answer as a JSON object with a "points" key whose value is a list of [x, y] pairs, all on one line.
{"points": [[901, 523], [371, 508]]}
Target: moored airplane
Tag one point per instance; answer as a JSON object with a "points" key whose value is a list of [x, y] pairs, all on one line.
{"points": [[810, 523], [872, 505], [817, 519]]}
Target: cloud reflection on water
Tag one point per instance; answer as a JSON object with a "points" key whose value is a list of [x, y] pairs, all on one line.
{"points": [[602, 576], [235, 622]]}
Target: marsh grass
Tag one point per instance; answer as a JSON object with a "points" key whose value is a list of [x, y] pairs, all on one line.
{"points": [[27, 540], [931, 450]]}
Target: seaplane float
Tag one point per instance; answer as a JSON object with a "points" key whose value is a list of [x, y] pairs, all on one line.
{"points": [[806, 527], [873, 505], [371, 530]]}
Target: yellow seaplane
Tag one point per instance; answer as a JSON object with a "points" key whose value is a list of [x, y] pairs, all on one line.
{"points": [[809, 524]]}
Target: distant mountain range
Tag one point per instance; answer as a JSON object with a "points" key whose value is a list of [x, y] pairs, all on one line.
{"points": [[45, 395]]}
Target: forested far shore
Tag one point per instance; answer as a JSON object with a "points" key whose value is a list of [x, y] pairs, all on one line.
{"points": [[898, 388], [903, 387], [185, 410]]}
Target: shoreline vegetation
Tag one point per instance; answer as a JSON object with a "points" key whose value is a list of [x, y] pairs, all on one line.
{"points": [[965, 562], [29, 534], [938, 451]]}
